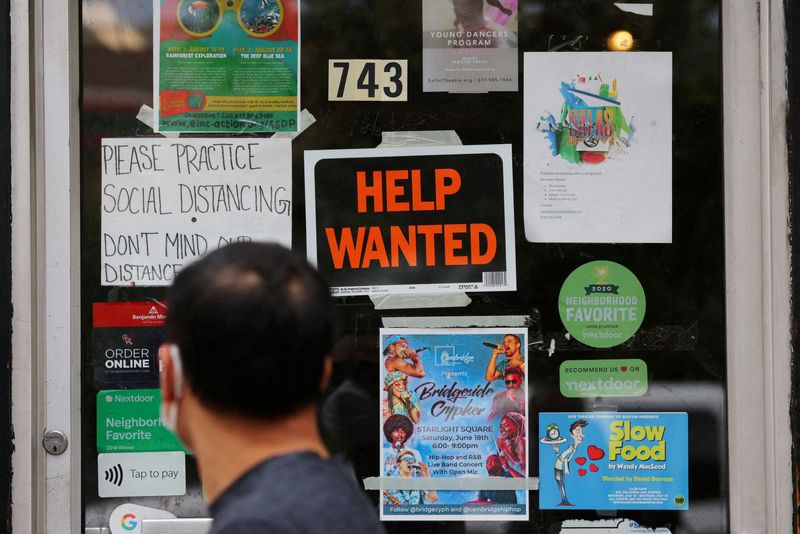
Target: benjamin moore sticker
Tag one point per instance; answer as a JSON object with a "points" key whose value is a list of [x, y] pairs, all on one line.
{"points": [[141, 474], [125, 341], [603, 378], [614, 461], [602, 304], [129, 421]]}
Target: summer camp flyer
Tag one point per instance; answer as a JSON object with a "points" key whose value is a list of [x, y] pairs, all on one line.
{"points": [[226, 66], [613, 461], [454, 406], [469, 47], [597, 147]]}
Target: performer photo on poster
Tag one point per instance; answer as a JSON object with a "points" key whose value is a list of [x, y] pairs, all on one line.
{"points": [[226, 66], [411, 220], [597, 147], [469, 46], [613, 461], [454, 404]]}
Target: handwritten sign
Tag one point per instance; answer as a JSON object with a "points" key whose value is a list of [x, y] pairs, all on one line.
{"points": [[165, 202]]}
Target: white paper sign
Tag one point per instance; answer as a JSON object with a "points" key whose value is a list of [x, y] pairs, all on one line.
{"points": [[598, 147], [141, 474], [165, 202]]}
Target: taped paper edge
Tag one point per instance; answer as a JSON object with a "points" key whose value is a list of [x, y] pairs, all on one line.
{"points": [[146, 116], [398, 302], [420, 138], [453, 484], [306, 120], [645, 10], [617, 526], [442, 321]]}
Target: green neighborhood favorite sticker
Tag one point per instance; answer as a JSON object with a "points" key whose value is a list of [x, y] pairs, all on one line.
{"points": [[129, 421], [601, 304], [603, 378]]}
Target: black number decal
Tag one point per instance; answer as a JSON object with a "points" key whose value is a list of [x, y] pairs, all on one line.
{"points": [[395, 79], [367, 80], [343, 80]]}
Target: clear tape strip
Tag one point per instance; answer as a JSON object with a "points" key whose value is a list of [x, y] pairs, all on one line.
{"points": [[447, 483]]}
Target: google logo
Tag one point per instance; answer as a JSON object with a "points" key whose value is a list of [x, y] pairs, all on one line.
{"points": [[128, 522]]}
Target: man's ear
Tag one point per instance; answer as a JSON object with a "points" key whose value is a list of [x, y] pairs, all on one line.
{"points": [[327, 371], [166, 374]]}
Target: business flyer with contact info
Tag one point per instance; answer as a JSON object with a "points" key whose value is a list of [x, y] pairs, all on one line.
{"points": [[454, 405], [597, 147]]}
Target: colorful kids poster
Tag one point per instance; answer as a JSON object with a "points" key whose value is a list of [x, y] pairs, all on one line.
{"points": [[469, 46], [454, 406], [411, 220], [598, 147], [226, 65], [614, 461]]}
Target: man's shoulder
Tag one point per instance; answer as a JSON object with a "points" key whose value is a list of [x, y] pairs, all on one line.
{"points": [[295, 493]]}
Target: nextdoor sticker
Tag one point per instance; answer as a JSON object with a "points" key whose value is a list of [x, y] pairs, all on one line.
{"points": [[130, 421], [602, 304], [603, 378]]}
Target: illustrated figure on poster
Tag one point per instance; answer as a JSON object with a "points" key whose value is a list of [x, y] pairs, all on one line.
{"points": [[470, 18], [511, 444], [511, 348], [409, 466], [495, 469], [398, 430], [513, 398], [399, 400], [561, 468], [401, 357]]}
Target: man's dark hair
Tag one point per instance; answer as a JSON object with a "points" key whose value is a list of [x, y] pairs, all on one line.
{"points": [[514, 370], [253, 326], [515, 337], [393, 422], [579, 423]]}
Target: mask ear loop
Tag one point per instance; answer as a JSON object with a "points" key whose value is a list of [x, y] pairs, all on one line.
{"points": [[177, 370]]}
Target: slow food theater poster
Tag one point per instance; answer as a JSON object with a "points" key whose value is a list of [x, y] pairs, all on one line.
{"points": [[412, 220], [613, 461], [454, 405]]}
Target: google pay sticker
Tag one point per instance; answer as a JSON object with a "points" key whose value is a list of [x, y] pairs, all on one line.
{"points": [[602, 304], [129, 421], [603, 378]]}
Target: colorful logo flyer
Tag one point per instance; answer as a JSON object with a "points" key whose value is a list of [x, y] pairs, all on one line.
{"points": [[454, 405], [598, 147], [468, 46], [125, 341], [614, 461], [226, 65], [412, 220], [602, 304]]}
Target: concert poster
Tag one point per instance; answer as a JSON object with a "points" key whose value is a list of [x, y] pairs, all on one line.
{"points": [[454, 406]]}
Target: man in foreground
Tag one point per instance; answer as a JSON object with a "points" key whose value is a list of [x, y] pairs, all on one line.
{"points": [[248, 334]]}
